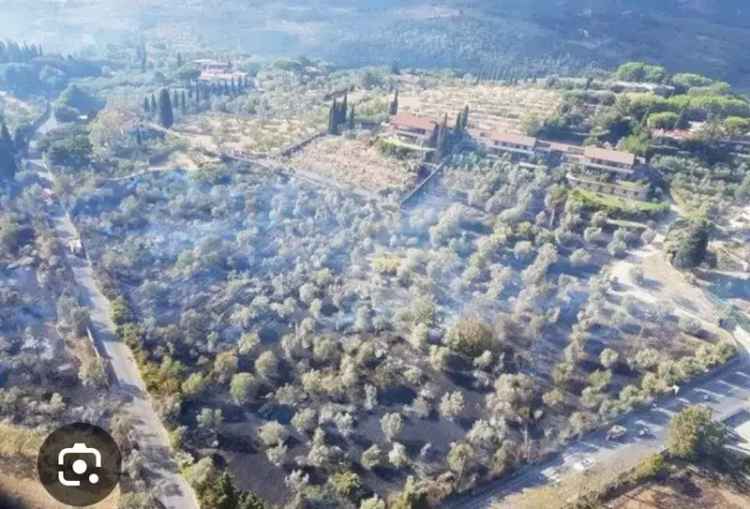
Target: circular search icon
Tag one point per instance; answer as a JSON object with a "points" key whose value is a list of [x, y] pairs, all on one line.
{"points": [[79, 464]]}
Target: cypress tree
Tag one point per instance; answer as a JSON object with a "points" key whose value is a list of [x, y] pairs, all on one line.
{"points": [[332, 117], [351, 118], [175, 99], [465, 119], [154, 106], [20, 141], [344, 108], [6, 139], [459, 123], [442, 137], [434, 137], [7, 155], [146, 105], [183, 101], [394, 104], [144, 58], [166, 115]]}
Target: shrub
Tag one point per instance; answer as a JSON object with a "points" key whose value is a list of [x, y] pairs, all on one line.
{"points": [[650, 468], [641, 72], [687, 243], [663, 120], [121, 311], [346, 484], [693, 433], [471, 336], [243, 387]]}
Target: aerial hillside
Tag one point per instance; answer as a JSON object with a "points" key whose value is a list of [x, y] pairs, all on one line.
{"points": [[520, 37]]}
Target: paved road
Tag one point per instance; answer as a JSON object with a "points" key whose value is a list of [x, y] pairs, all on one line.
{"points": [[728, 393], [148, 431]]}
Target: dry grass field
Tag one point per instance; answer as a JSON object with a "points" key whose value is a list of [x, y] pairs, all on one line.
{"points": [[26, 493], [689, 489]]}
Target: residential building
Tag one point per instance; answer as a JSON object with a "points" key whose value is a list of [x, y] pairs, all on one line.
{"points": [[497, 143], [213, 71], [602, 159], [623, 188], [412, 128]]}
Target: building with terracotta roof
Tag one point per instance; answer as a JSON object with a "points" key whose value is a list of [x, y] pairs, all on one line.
{"points": [[412, 128], [616, 161], [497, 143]]}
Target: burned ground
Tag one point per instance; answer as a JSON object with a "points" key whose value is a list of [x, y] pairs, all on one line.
{"points": [[336, 312]]}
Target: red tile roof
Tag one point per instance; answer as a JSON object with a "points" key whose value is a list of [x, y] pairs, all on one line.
{"points": [[613, 156], [516, 139], [409, 121]]}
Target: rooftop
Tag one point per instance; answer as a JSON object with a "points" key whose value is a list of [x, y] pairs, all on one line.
{"points": [[410, 121], [516, 139], [614, 156]]}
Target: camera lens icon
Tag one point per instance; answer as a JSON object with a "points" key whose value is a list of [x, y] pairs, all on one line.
{"points": [[79, 464]]}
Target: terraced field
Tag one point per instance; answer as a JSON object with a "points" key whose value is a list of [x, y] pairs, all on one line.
{"points": [[492, 107]]}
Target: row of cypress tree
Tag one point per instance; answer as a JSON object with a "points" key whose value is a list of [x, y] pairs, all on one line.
{"points": [[340, 114], [165, 105], [443, 137], [12, 52]]}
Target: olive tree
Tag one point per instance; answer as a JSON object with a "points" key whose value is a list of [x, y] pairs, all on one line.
{"points": [[243, 388], [392, 424], [452, 404]]}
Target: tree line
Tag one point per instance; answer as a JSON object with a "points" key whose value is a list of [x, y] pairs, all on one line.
{"points": [[195, 93], [12, 52]]}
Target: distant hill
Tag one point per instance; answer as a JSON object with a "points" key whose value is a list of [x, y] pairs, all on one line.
{"points": [[514, 36]]}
